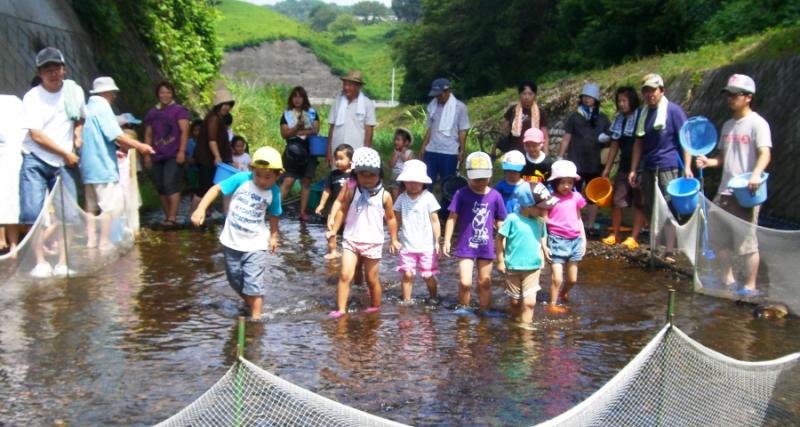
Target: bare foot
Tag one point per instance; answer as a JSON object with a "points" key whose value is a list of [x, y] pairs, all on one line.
{"points": [[333, 255], [556, 309], [564, 297]]}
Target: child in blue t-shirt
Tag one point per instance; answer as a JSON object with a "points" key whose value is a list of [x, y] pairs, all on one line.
{"points": [[245, 238], [513, 188], [521, 251]]}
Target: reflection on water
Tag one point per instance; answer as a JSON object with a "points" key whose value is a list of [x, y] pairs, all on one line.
{"points": [[142, 338]]}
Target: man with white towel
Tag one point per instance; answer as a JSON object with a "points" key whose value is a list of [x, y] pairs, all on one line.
{"points": [[446, 136], [352, 117]]}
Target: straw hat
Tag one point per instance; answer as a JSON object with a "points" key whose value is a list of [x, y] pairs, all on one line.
{"points": [[354, 76], [414, 171], [223, 96]]}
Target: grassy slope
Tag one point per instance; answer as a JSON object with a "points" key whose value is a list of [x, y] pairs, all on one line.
{"points": [[244, 24]]}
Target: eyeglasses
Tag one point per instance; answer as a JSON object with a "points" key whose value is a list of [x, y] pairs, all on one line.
{"points": [[735, 94]]}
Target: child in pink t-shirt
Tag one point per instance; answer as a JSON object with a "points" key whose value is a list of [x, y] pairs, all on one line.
{"points": [[567, 238]]}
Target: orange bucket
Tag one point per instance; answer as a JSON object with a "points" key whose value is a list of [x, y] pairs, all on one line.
{"points": [[599, 190]]}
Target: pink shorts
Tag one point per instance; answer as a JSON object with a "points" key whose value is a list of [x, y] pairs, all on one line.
{"points": [[367, 250], [427, 263]]}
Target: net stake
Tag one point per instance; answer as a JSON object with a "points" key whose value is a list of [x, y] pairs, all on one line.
{"points": [[239, 372], [670, 305]]}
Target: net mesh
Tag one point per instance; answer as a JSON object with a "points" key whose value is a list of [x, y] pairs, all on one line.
{"points": [[250, 396], [58, 243], [675, 381], [715, 242]]}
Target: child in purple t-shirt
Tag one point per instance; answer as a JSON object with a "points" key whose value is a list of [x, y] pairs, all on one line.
{"points": [[477, 209], [567, 238]]}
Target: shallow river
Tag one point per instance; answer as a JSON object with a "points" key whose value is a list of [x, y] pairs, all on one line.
{"points": [[139, 340]]}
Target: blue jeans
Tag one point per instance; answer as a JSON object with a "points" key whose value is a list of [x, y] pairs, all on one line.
{"points": [[440, 165], [35, 178]]}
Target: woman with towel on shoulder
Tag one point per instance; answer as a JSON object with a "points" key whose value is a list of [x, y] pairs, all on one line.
{"points": [[298, 123], [520, 117]]}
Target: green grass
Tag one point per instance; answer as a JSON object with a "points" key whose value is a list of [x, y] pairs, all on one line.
{"points": [[244, 25]]}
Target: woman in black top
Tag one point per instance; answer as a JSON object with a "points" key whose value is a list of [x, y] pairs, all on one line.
{"points": [[298, 123]]}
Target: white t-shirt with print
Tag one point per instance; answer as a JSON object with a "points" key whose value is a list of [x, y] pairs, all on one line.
{"points": [[416, 230], [246, 227], [739, 142], [45, 111]]}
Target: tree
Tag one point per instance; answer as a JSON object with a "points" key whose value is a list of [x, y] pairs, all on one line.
{"points": [[322, 16], [343, 24], [370, 12], [407, 10]]}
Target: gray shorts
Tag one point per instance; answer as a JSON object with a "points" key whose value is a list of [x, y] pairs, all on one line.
{"points": [[649, 190], [245, 271], [167, 176], [727, 234]]}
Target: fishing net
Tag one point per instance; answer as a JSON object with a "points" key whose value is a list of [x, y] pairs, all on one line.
{"points": [[250, 396], [58, 243], [676, 381], [716, 242]]}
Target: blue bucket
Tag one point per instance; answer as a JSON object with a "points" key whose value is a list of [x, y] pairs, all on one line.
{"points": [[318, 145], [747, 199], [223, 172], [684, 194]]}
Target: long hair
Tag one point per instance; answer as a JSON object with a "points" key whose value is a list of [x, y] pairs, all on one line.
{"points": [[629, 93], [298, 90]]}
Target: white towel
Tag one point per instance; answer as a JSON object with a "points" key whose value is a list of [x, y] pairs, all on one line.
{"points": [[661, 117], [448, 114], [341, 108]]}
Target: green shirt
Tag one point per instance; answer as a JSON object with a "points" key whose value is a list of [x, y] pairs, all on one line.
{"points": [[523, 242]]}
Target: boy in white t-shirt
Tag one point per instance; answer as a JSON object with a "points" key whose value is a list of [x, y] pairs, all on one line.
{"points": [[745, 146], [418, 221], [245, 238]]}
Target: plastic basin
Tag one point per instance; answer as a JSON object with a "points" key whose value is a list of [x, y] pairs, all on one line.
{"points": [[223, 172], [318, 145], [744, 196]]}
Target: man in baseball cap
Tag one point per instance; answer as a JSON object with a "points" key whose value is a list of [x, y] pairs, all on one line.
{"points": [[446, 134], [745, 145]]}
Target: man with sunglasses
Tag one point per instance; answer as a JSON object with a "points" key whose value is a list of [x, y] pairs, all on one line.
{"points": [[744, 146]]}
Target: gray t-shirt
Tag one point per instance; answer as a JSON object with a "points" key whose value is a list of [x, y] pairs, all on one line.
{"points": [[354, 128], [416, 231], [739, 142], [441, 143]]}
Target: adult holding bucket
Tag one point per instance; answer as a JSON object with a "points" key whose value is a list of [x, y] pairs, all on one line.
{"points": [[299, 123], [744, 147], [352, 117], [166, 129], [213, 147], [585, 136], [657, 150]]}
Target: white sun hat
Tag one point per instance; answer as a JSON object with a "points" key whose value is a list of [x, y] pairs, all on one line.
{"points": [[563, 169], [103, 84], [414, 171]]}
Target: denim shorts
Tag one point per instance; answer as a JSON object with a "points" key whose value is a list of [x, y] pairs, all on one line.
{"points": [[563, 250], [167, 176], [245, 271], [35, 178]]}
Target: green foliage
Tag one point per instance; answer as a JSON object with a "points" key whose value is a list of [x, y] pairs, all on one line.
{"points": [[343, 25], [322, 16], [407, 10], [739, 17], [301, 9], [370, 12]]}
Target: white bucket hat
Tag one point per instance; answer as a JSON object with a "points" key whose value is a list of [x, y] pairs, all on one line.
{"points": [[103, 84], [563, 169], [514, 160], [479, 165], [414, 171]]}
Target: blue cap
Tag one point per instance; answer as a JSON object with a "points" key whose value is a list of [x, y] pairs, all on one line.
{"points": [[438, 86], [128, 119]]}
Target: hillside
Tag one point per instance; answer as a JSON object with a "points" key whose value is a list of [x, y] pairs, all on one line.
{"points": [[246, 25]]}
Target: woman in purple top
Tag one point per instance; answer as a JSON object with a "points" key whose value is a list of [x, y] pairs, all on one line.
{"points": [[166, 129]]}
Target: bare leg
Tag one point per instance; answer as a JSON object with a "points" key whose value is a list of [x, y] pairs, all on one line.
{"points": [[572, 279], [332, 251], [638, 222], [12, 237], [91, 231], [408, 282], [105, 232], [485, 283], [286, 186], [464, 280], [255, 302], [751, 264], [724, 261], [359, 274], [556, 275], [349, 261], [3, 242], [305, 190], [528, 305], [371, 268], [591, 216], [173, 200], [515, 307], [669, 238], [616, 221], [433, 286], [164, 200]]}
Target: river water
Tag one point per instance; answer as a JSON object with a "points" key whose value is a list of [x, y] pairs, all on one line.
{"points": [[137, 341]]}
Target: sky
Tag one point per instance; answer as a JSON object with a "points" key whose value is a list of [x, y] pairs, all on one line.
{"points": [[388, 3]]}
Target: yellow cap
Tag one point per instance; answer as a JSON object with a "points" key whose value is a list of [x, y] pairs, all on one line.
{"points": [[267, 158]]}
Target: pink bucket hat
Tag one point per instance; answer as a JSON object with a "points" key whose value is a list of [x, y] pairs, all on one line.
{"points": [[414, 171], [563, 169]]}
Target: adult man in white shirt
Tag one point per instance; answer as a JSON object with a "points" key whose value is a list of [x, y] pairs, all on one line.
{"points": [[352, 117]]}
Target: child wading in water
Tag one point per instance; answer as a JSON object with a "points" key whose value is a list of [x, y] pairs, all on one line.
{"points": [[245, 238], [401, 154], [366, 206], [342, 162], [521, 252], [567, 237], [418, 219], [241, 160], [513, 188], [477, 209]]}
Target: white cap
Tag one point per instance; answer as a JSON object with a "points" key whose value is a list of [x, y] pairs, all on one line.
{"points": [[652, 80], [740, 83], [414, 171], [479, 165], [514, 160], [103, 84], [563, 169]]}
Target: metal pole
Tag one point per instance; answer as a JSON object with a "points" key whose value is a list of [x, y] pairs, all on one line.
{"points": [[393, 86], [670, 306], [239, 372], [60, 186]]}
